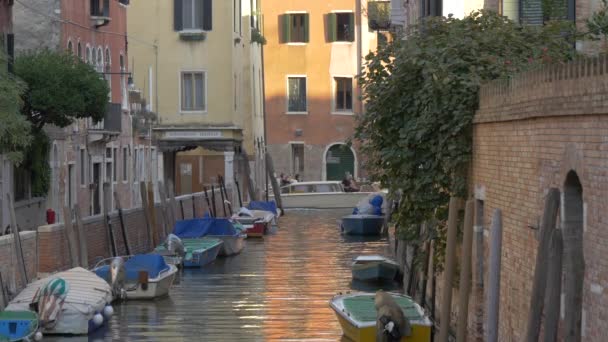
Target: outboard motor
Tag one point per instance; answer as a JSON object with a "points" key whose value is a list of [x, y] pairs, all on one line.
{"points": [[118, 277], [175, 245]]}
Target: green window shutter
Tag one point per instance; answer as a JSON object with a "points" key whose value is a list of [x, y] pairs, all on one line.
{"points": [[351, 27], [177, 15], [332, 25], [531, 12], [306, 28], [207, 15], [285, 24]]}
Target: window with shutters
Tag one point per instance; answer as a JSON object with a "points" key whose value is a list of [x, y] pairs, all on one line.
{"points": [[193, 91], [296, 94], [341, 27], [295, 28], [192, 15], [343, 94], [100, 8]]}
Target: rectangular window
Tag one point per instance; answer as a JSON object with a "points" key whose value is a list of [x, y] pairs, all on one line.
{"points": [[192, 15], [83, 167], [194, 97], [21, 178], [295, 28], [341, 27], [109, 172], [297, 153], [125, 170], [71, 185], [343, 101], [115, 165], [296, 93]]}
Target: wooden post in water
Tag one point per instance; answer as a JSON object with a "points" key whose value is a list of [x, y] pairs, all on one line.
{"points": [[3, 296], [163, 208], [479, 257], [172, 203], [539, 285], [70, 236], [448, 276], [144, 205], [82, 238], [152, 213], [123, 229], [193, 206], [17, 241], [465, 273], [554, 287], [208, 202], [106, 213], [276, 189], [238, 191], [213, 200], [181, 206], [494, 277]]}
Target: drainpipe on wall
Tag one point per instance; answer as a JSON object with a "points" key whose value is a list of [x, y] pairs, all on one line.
{"points": [[264, 116], [359, 59]]}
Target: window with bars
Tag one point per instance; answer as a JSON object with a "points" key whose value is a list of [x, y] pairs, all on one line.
{"points": [[341, 27], [295, 28], [343, 101], [192, 15], [193, 91], [297, 154], [296, 94]]}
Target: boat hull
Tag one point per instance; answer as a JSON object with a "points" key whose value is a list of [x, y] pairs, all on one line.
{"points": [[362, 224], [323, 200], [17, 325], [231, 244], [203, 257], [368, 334], [380, 271], [157, 287]]}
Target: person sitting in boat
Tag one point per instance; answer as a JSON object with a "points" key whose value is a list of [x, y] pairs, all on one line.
{"points": [[349, 183], [284, 180]]}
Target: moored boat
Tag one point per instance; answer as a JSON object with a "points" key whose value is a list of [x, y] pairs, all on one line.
{"points": [[198, 252], [319, 195], [18, 326], [256, 222], [73, 302], [362, 224], [233, 240], [357, 316], [374, 268], [145, 276]]}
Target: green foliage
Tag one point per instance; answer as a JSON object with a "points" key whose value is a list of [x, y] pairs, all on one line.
{"points": [[421, 95], [38, 164], [60, 88], [597, 24], [15, 130], [257, 37]]}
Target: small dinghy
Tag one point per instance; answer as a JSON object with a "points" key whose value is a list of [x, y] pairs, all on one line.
{"points": [[74, 302], [357, 315], [213, 228], [18, 326], [374, 268], [142, 276], [198, 252], [362, 224], [256, 222]]}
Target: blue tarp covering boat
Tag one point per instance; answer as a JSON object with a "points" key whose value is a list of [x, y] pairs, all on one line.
{"points": [[198, 228], [263, 205], [154, 264]]}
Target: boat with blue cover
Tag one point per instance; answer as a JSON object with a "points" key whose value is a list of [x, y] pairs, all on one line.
{"points": [[362, 224], [18, 325], [145, 276], [210, 228]]}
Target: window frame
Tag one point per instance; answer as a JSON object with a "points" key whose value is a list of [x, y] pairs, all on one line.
{"points": [[125, 165], [299, 144], [345, 42], [82, 170], [70, 46], [305, 37], [205, 91], [287, 111], [334, 89]]}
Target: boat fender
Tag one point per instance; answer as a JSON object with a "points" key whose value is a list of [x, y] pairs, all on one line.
{"points": [[98, 319], [108, 311], [38, 336], [143, 280]]}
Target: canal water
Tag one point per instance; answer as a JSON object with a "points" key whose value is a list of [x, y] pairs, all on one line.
{"points": [[277, 289]]}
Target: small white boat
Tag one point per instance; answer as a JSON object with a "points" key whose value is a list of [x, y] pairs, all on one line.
{"points": [[319, 195], [145, 276], [74, 302]]}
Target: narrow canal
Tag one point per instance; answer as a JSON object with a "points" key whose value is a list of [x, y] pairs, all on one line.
{"points": [[277, 289]]}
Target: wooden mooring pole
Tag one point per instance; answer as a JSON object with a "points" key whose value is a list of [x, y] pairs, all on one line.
{"points": [[70, 236], [554, 287], [17, 241], [82, 238], [494, 277], [465, 273], [123, 228]]}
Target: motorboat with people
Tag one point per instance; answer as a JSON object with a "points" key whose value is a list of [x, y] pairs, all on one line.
{"points": [[319, 195]]}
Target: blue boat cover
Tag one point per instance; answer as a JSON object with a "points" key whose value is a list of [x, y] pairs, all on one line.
{"points": [[151, 263], [197, 228], [376, 203], [263, 205]]}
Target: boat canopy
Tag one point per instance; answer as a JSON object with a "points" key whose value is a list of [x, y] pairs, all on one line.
{"points": [[197, 228], [154, 264], [263, 205]]}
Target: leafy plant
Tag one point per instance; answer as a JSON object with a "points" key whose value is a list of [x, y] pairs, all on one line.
{"points": [[421, 95], [60, 88], [257, 37]]}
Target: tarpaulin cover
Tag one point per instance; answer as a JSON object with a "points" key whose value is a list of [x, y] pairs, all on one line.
{"points": [[372, 207], [197, 228], [151, 263], [263, 205]]}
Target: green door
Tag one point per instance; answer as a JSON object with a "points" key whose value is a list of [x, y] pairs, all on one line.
{"points": [[338, 161]]}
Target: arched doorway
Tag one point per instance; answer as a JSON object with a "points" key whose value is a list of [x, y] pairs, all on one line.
{"points": [[574, 259], [339, 159]]}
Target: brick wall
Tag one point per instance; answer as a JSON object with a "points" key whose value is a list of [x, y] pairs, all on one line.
{"points": [[8, 260], [528, 134]]}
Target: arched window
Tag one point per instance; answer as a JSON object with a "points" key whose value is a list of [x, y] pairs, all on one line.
{"points": [[99, 59], [122, 63], [79, 50], [108, 60], [70, 47], [340, 160], [88, 55]]}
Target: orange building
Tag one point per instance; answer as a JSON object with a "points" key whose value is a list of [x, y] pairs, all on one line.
{"points": [[314, 52]]}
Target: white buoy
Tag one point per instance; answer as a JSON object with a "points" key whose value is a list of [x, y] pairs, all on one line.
{"points": [[98, 319], [38, 336], [108, 311]]}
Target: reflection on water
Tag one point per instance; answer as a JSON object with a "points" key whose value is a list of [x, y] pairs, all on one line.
{"points": [[277, 289]]}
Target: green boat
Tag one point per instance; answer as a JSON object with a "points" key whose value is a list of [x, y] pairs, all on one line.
{"points": [[374, 268], [199, 252], [18, 325]]}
